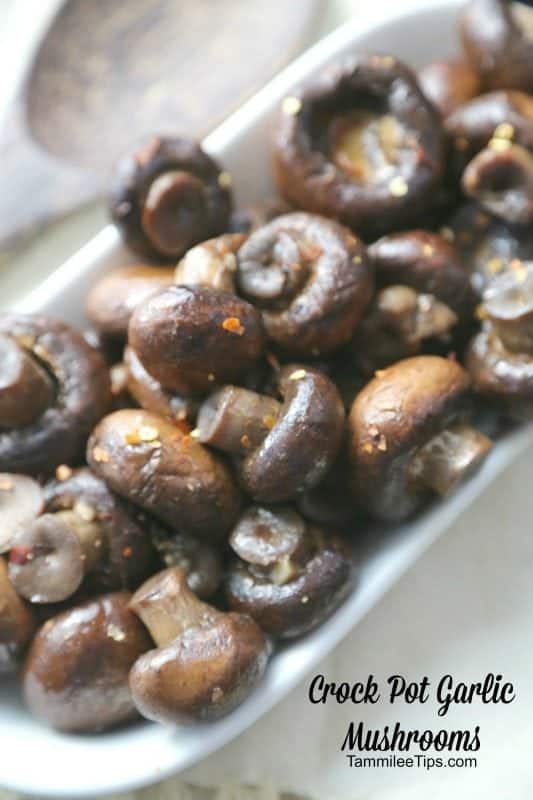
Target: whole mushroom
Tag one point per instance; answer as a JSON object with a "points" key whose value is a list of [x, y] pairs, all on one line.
{"points": [[168, 195], [409, 436], [288, 575], [206, 661], [284, 447], [17, 624], [361, 144], [53, 392], [76, 672], [311, 279], [156, 466], [86, 532], [189, 338]]}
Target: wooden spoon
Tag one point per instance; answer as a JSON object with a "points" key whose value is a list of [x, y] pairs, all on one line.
{"points": [[108, 73]]}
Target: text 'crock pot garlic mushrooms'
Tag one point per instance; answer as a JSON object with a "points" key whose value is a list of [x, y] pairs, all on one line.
{"points": [[53, 390], [288, 575], [497, 36], [86, 531], [190, 338], [206, 661], [284, 447], [409, 436], [167, 196], [360, 144], [76, 672], [153, 464], [500, 356]]}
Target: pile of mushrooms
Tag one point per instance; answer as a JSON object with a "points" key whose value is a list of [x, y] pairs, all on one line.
{"points": [[181, 483]]}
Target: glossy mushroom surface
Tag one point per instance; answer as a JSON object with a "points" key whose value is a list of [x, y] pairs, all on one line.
{"points": [[150, 395]]}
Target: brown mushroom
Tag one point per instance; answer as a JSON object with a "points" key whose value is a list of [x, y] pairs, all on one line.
{"points": [[17, 624], [286, 447], [206, 661], [114, 297], [311, 279], [154, 465], [76, 672], [497, 36], [212, 264], [151, 396], [21, 501], [86, 532], [191, 338], [360, 144], [201, 562], [80, 397], [288, 576], [449, 83], [409, 437], [500, 178], [168, 195]]}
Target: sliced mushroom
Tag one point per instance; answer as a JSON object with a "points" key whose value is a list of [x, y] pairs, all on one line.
{"points": [[206, 661], [500, 178], [114, 297], [87, 531], [76, 672], [80, 398], [191, 338], [167, 196], [154, 465], [311, 279], [17, 624], [287, 575], [285, 447], [212, 264], [409, 437], [21, 501]]}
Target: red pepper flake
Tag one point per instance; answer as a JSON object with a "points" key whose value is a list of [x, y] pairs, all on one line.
{"points": [[20, 555], [127, 552], [233, 325]]}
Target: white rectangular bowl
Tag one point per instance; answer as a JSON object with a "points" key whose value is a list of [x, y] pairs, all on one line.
{"points": [[38, 761]]}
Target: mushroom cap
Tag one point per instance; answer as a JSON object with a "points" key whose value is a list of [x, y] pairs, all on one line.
{"points": [[395, 414], [203, 674], [153, 464], [113, 298], [448, 83], [167, 196], [129, 554], [311, 278], [83, 396], [21, 501], [17, 623], [498, 41], [304, 441], [76, 672], [191, 338], [311, 178]]}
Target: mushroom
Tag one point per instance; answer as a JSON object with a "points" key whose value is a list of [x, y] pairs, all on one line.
{"points": [[285, 447], [114, 297], [190, 338], [86, 532], [449, 83], [500, 178], [409, 436], [21, 501], [360, 144], [201, 562], [150, 395], [76, 672], [206, 661], [169, 195], [55, 433], [288, 576], [212, 264], [311, 279], [500, 356], [330, 503], [17, 624], [153, 464], [497, 36]]}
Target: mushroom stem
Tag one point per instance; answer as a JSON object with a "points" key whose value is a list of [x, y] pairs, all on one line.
{"points": [[53, 554], [449, 457], [237, 420], [25, 388]]}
